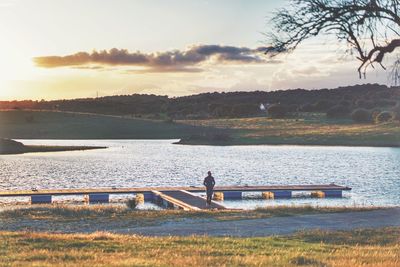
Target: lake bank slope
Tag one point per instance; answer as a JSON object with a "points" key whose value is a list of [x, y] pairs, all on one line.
{"points": [[8, 146], [303, 129]]}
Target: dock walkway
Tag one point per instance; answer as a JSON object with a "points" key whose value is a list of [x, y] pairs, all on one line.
{"points": [[191, 201], [178, 197], [194, 189]]}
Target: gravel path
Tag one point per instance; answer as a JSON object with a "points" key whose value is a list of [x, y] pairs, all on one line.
{"points": [[237, 228]]}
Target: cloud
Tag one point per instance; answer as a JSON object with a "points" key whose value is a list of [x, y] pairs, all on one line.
{"points": [[7, 3], [307, 71], [163, 70], [170, 61]]}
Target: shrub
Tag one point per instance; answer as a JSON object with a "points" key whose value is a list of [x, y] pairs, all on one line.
{"points": [[245, 110], [385, 103], [384, 94], [374, 113], [307, 108], [384, 116], [338, 111], [361, 115], [364, 104], [277, 111], [346, 103], [396, 111], [322, 105], [222, 111], [292, 108], [132, 203]]}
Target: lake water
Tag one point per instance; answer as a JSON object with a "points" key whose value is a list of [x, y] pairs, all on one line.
{"points": [[373, 173]]}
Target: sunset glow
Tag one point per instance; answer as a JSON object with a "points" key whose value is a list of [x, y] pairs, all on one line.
{"points": [[69, 49]]}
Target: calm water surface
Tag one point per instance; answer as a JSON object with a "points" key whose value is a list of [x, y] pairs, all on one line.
{"points": [[373, 173]]}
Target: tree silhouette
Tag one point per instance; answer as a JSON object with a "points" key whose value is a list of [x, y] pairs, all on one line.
{"points": [[371, 28]]}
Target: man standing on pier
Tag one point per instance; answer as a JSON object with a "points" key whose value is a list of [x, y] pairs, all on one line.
{"points": [[209, 183]]}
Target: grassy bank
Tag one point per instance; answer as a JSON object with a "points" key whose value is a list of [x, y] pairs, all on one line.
{"points": [[356, 248], [67, 125], [31, 148], [304, 129], [8, 146], [51, 217]]}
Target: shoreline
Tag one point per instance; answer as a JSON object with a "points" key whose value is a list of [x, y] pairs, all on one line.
{"points": [[11, 147], [194, 143], [44, 148]]}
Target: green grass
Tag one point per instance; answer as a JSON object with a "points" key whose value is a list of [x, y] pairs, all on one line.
{"points": [[64, 125], [356, 248], [304, 129]]}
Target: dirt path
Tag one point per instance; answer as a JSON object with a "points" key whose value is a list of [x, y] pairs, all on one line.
{"points": [[275, 225], [203, 226]]}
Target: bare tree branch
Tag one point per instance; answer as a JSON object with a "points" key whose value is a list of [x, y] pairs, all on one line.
{"points": [[370, 27]]}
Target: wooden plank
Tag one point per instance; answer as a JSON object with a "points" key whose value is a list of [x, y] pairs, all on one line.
{"points": [[214, 204], [64, 192], [191, 199], [174, 201]]}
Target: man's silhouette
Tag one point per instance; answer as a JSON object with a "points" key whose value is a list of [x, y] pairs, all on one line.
{"points": [[209, 183]]}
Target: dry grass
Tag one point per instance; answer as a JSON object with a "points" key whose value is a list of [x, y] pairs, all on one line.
{"points": [[357, 248], [306, 129], [70, 213]]}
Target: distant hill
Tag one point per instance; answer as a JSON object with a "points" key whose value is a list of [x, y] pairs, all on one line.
{"points": [[221, 105]]}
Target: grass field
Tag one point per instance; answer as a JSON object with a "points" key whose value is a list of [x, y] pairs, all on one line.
{"points": [[305, 129], [64, 125], [356, 248]]}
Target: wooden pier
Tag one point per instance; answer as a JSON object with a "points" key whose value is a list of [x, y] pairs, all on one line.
{"points": [[178, 197], [186, 200]]}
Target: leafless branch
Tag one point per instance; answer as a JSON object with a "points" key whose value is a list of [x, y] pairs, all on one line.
{"points": [[370, 27]]}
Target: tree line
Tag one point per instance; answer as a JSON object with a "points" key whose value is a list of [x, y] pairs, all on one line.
{"points": [[362, 102]]}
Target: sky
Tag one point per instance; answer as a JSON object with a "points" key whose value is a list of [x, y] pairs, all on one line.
{"points": [[62, 49]]}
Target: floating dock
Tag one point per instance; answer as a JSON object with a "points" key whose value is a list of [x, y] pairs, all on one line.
{"points": [[179, 197]]}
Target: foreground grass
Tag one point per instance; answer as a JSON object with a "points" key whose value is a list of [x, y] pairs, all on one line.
{"points": [[304, 129], [356, 248]]}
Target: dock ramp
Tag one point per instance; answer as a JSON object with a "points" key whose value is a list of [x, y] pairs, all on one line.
{"points": [[185, 200]]}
